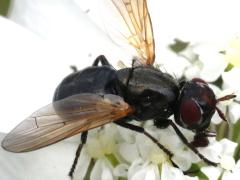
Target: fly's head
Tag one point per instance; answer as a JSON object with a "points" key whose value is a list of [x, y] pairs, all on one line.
{"points": [[195, 107]]}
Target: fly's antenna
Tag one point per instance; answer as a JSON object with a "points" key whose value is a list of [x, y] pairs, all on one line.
{"points": [[227, 97], [224, 98]]}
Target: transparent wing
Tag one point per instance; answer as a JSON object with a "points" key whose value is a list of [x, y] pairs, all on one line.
{"points": [[63, 119], [137, 30]]}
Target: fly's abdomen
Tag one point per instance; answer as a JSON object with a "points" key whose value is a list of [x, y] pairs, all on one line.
{"points": [[100, 80]]}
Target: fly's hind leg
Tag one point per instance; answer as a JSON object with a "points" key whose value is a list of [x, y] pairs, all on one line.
{"points": [[74, 68], [78, 152], [101, 59]]}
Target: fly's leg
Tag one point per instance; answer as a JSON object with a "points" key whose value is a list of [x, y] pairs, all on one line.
{"points": [[130, 73], [74, 68], [189, 145], [142, 130], [78, 152], [163, 123], [101, 59]]}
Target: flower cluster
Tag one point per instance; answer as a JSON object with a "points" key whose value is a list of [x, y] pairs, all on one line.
{"points": [[137, 157], [121, 153]]}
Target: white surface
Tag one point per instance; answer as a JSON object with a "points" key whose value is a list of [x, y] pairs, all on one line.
{"points": [[51, 163]]}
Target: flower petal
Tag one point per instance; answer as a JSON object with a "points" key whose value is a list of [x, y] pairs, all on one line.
{"points": [[121, 170], [228, 147], [129, 152], [169, 172], [211, 172], [102, 170], [227, 162]]}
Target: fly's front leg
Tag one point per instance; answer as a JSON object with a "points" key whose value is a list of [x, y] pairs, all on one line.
{"points": [[191, 146], [163, 123]]}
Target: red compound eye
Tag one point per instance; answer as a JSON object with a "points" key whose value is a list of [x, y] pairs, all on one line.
{"points": [[190, 112], [198, 80]]}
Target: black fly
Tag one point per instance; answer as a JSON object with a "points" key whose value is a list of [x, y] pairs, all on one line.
{"points": [[98, 95]]}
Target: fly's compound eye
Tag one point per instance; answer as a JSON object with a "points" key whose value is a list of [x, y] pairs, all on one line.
{"points": [[198, 80], [190, 113]]}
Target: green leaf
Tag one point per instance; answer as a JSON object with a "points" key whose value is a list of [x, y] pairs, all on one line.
{"points": [[218, 82], [237, 153], [122, 178], [202, 176], [222, 130], [4, 6], [236, 129], [178, 45], [195, 170], [229, 67]]}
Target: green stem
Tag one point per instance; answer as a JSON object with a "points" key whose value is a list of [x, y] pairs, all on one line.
{"points": [[90, 168], [222, 130], [4, 6]]}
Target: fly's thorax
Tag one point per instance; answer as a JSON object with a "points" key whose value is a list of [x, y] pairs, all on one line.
{"points": [[151, 91]]}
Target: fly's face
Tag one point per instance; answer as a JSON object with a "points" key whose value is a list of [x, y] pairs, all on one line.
{"points": [[195, 108], [196, 105]]}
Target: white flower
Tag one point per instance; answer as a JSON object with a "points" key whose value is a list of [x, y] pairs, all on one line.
{"points": [[141, 170], [217, 150], [225, 174], [102, 170], [169, 172], [211, 172], [229, 105], [210, 62], [232, 51], [102, 141], [234, 173], [229, 82], [223, 153]]}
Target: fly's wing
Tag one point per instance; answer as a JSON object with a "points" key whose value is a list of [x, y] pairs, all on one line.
{"points": [[63, 119], [135, 27]]}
